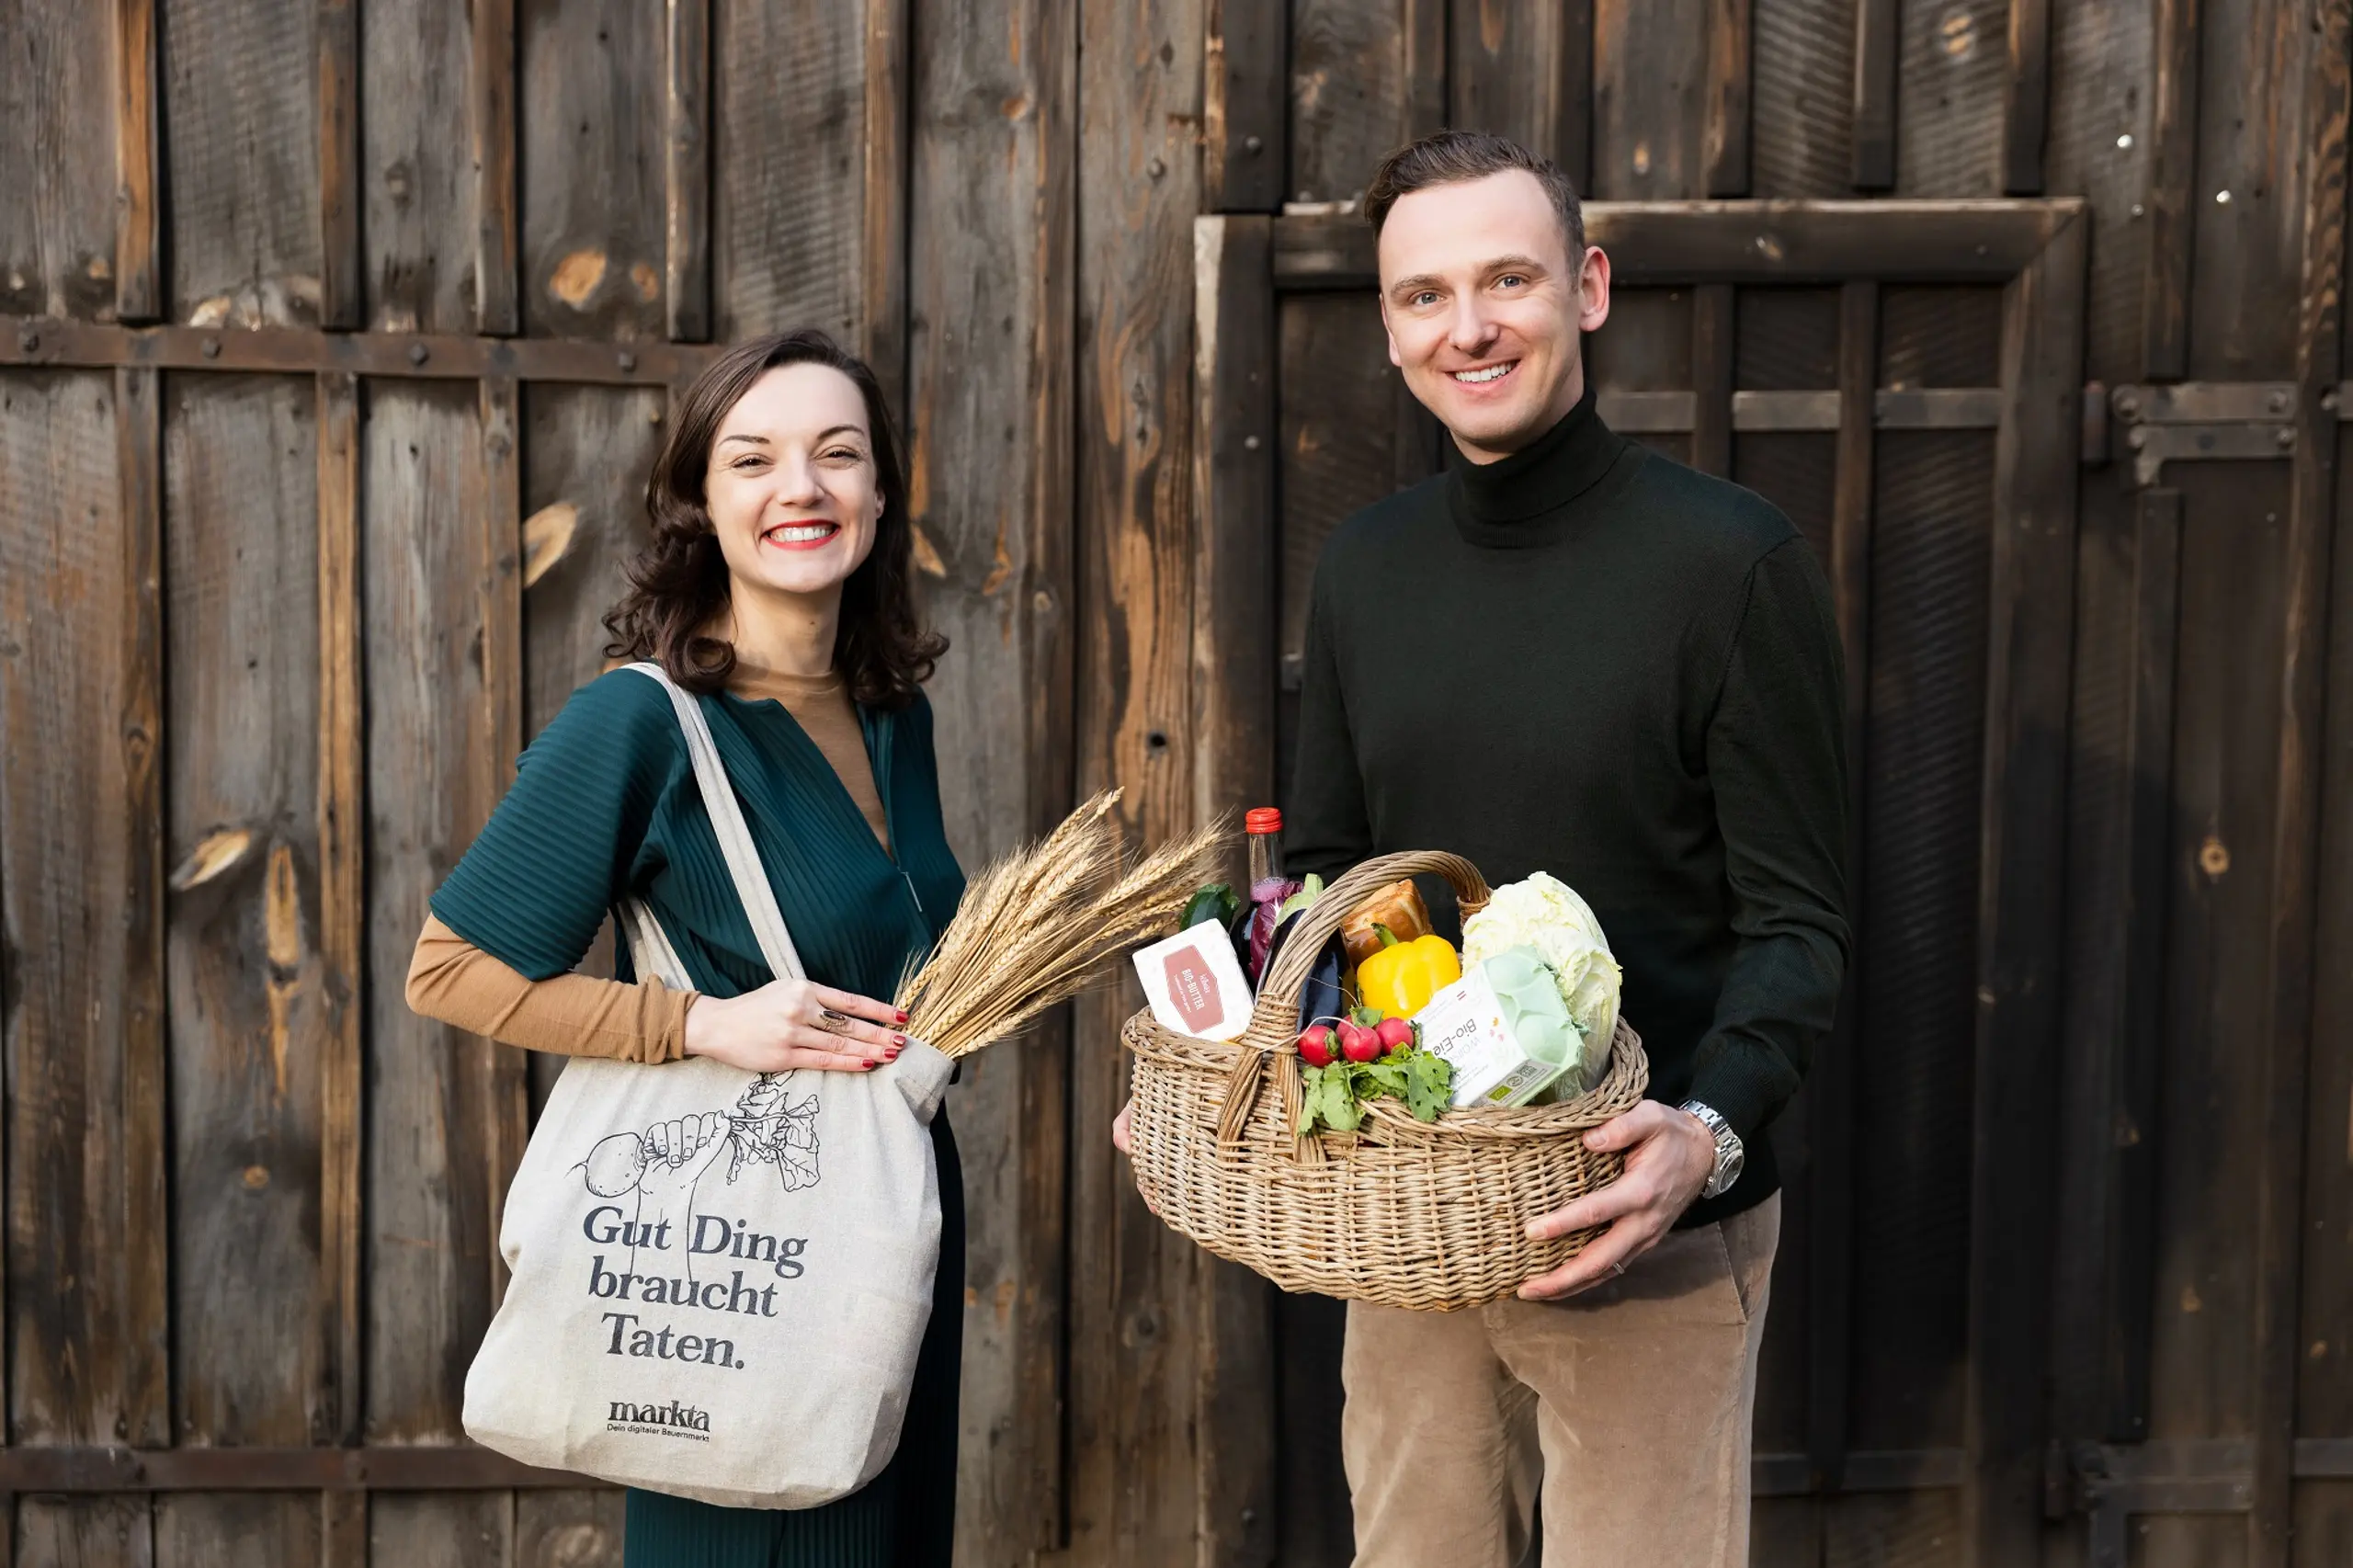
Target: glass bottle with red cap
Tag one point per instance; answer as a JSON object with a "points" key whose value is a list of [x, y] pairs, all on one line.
{"points": [[1264, 827]]}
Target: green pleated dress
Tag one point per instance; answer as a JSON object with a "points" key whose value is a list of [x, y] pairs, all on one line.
{"points": [[605, 804]]}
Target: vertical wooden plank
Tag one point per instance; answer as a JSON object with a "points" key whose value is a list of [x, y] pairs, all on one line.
{"points": [[2101, 147], [1949, 98], [433, 1127], [144, 1219], [1137, 1316], [1649, 95], [422, 214], [1831, 1111], [991, 357], [1723, 138], [343, 912], [2251, 175], [569, 1529], [343, 1529], [498, 545], [2130, 1211], [2173, 135], [1245, 50], [138, 240], [57, 131], [1876, 27], [686, 206], [1711, 376], [882, 302], [593, 146], [2211, 1104], [2019, 919], [1364, 79], [1801, 97], [342, 284], [2120, 849], [2118, 840], [1526, 73], [2287, 1040], [241, 155], [2324, 1382], [2026, 98], [81, 877], [490, 120], [1234, 768], [251, 1018], [789, 233], [586, 452]]}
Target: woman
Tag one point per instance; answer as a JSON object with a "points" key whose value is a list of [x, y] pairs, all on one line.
{"points": [[776, 588]]}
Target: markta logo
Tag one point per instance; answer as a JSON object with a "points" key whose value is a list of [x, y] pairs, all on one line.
{"points": [[681, 1420]]}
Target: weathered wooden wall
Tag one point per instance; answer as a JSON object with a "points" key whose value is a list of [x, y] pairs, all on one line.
{"points": [[337, 338]]}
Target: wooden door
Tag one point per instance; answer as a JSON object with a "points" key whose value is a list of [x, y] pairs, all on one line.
{"points": [[1903, 379]]}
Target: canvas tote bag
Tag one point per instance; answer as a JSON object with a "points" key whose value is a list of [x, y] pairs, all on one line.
{"points": [[720, 1279]]}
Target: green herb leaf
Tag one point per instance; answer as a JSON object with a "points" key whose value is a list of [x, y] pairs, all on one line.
{"points": [[1309, 891]]}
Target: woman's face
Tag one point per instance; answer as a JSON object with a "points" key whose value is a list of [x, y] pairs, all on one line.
{"points": [[792, 489]]}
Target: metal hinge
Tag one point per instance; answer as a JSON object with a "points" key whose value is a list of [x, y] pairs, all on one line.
{"points": [[2204, 421]]}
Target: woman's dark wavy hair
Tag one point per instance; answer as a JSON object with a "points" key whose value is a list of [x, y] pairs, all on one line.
{"points": [[678, 584]]}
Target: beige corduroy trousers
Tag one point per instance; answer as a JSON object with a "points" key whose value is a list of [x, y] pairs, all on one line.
{"points": [[1627, 1407]]}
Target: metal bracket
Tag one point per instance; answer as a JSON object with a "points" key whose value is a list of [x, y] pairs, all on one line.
{"points": [[2204, 421]]}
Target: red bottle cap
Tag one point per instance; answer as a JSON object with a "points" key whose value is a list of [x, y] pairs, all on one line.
{"points": [[1262, 819]]}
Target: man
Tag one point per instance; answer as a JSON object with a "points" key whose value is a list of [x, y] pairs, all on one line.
{"points": [[1570, 654]]}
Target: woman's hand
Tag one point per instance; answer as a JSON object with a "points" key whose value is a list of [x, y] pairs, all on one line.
{"points": [[789, 1024]]}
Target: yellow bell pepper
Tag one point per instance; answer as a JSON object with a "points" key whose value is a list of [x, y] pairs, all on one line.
{"points": [[1403, 976]]}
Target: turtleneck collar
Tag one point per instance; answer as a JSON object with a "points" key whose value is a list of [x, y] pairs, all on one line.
{"points": [[1521, 499]]}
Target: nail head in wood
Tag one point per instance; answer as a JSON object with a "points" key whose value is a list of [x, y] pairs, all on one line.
{"points": [[418, 353]]}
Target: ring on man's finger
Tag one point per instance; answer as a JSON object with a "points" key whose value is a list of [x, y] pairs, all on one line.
{"points": [[1616, 1270]]}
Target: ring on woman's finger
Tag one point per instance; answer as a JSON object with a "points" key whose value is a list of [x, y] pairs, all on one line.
{"points": [[832, 1022]]}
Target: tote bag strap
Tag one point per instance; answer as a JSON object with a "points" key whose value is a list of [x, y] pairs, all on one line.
{"points": [[742, 857]]}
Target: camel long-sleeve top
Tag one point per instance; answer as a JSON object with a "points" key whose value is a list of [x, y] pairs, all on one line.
{"points": [[579, 1014]]}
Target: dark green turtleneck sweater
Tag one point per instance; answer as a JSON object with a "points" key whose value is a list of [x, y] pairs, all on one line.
{"points": [[1589, 660]]}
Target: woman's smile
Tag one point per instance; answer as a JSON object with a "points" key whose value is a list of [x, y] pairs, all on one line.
{"points": [[807, 534]]}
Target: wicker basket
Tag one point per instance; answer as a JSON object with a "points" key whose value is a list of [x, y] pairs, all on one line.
{"points": [[1402, 1214]]}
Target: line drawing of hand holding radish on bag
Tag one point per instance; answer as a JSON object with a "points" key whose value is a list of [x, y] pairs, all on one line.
{"points": [[666, 1164]]}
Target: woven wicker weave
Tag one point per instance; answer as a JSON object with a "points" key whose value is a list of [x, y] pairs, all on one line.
{"points": [[1401, 1212]]}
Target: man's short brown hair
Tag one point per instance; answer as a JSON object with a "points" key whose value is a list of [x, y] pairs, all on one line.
{"points": [[1449, 157]]}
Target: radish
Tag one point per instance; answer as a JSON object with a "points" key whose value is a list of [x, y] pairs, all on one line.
{"points": [[1316, 1045], [1395, 1034], [1358, 1043]]}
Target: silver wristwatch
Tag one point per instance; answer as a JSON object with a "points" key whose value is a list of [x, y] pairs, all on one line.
{"points": [[1729, 1153]]}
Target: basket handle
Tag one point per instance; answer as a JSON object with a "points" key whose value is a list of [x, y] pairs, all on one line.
{"points": [[1273, 1030], [1274, 1021]]}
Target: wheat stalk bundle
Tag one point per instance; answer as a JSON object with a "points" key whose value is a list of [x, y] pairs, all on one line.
{"points": [[1040, 925]]}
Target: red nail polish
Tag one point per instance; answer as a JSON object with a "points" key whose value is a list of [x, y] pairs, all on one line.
{"points": [[901, 1039], [902, 1016], [869, 1063]]}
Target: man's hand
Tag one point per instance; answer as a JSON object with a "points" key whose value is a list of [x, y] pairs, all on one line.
{"points": [[1119, 1125], [1669, 1156]]}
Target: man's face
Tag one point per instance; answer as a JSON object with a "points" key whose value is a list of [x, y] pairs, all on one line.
{"points": [[1483, 306]]}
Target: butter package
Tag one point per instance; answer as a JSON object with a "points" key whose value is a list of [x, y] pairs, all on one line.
{"points": [[1503, 1029], [1194, 982]]}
